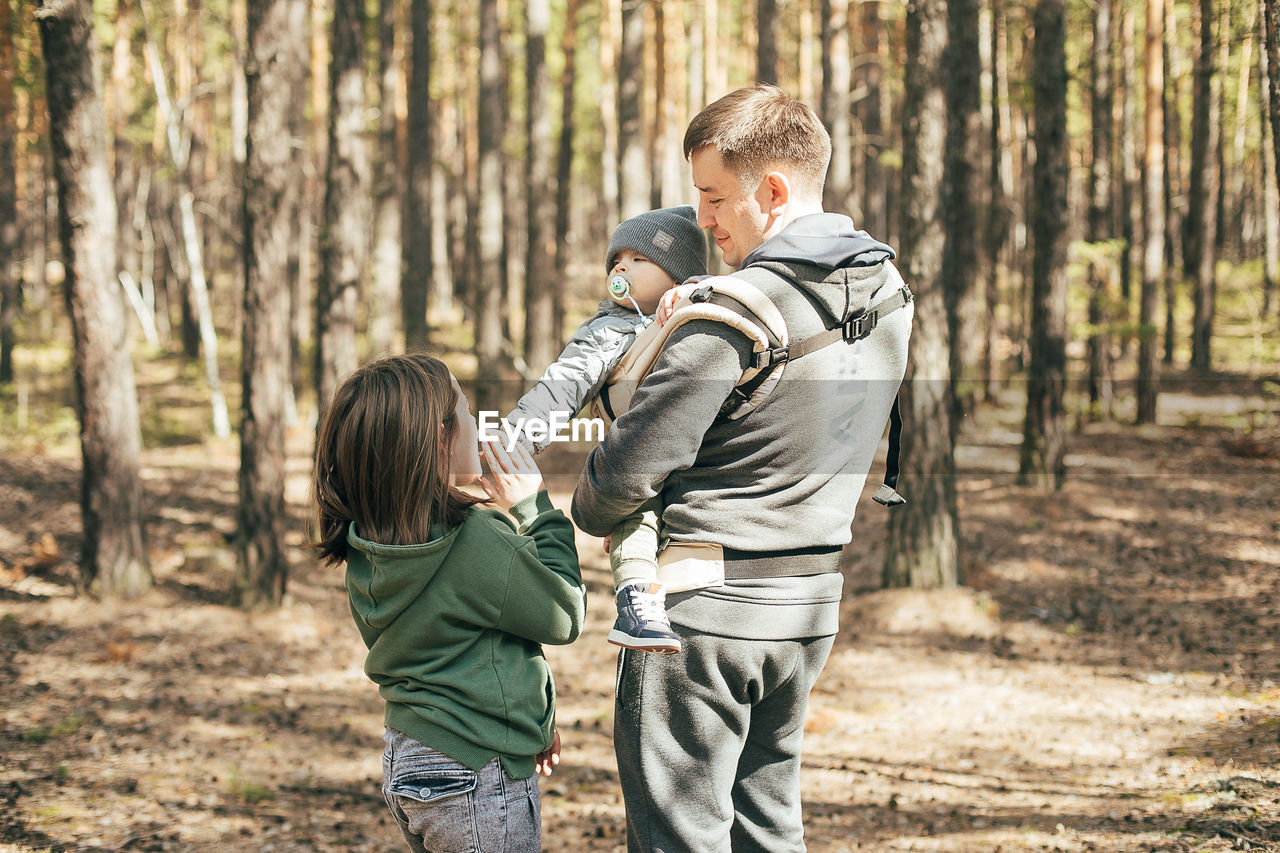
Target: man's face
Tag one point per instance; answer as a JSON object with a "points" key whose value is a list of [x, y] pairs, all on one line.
{"points": [[738, 216]]}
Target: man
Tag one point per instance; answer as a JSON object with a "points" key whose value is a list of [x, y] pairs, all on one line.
{"points": [[708, 741]]}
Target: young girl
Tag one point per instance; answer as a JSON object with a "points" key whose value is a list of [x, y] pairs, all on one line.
{"points": [[452, 600]]}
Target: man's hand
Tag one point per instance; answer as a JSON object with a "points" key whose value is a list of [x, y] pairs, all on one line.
{"points": [[545, 761]]}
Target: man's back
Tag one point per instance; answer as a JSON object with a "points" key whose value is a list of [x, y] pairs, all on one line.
{"points": [[788, 474]]}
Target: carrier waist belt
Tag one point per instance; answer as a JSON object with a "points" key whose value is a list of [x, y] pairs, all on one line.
{"points": [[790, 562]]}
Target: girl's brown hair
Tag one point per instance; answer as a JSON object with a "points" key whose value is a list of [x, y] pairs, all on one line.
{"points": [[382, 456]]}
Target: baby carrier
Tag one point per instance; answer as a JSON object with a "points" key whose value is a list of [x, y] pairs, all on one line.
{"points": [[737, 302]]}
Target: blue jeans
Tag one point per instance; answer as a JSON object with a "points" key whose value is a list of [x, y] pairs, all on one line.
{"points": [[443, 806]]}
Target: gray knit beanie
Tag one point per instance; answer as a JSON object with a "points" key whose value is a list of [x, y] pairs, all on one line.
{"points": [[669, 237]]}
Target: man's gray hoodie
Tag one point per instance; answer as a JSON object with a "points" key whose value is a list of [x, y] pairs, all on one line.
{"points": [[789, 474]]}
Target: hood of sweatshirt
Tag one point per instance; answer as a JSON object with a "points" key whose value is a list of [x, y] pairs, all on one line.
{"points": [[837, 266], [383, 580]]}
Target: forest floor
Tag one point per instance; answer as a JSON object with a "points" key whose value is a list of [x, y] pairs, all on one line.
{"points": [[1107, 680]]}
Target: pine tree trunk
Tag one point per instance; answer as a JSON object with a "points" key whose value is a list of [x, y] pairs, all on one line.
{"points": [[1000, 175], [610, 135], [307, 122], [633, 176], [113, 557], [1042, 461], [876, 216], [347, 205], [384, 298], [962, 157], [514, 230], [1153, 212], [1202, 207], [10, 239], [1270, 192], [1271, 12], [1099, 226], [491, 295], [717, 68], [674, 182], [239, 109], [541, 342], [274, 78], [416, 266], [1172, 179], [697, 60], [658, 101], [923, 544], [564, 168], [1234, 200], [37, 210], [1129, 171], [124, 158], [767, 41], [836, 105]]}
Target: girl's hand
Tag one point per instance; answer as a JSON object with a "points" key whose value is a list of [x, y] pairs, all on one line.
{"points": [[544, 761], [512, 477]]}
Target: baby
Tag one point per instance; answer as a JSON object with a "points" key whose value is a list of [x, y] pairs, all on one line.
{"points": [[648, 255]]}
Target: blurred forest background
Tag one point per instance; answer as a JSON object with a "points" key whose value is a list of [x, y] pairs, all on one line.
{"points": [[1082, 195]]}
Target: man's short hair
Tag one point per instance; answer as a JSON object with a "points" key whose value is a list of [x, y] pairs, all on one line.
{"points": [[760, 127]]}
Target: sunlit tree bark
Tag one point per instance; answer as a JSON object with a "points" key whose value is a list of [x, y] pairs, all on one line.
{"points": [[384, 296], [10, 241], [113, 554], [962, 158], [270, 196], [1042, 461], [491, 294], [540, 339], [1271, 15], [1099, 224], [923, 544], [1174, 184], [416, 269], [1270, 193], [836, 105], [564, 165], [344, 228], [767, 26], [1202, 217], [1152, 212], [633, 176]]}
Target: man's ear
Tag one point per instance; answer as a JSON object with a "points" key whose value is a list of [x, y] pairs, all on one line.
{"points": [[775, 192]]}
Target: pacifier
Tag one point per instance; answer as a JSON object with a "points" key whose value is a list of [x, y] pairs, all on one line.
{"points": [[620, 285]]}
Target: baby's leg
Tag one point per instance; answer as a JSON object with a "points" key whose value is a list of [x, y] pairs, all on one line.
{"points": [[642, 613], [633, 546]]}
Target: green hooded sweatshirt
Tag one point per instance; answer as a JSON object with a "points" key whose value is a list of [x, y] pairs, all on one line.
{"points": [[454, 628]]}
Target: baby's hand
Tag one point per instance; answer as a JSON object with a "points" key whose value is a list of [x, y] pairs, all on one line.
{"points": [[666, 305], [515, 476]]}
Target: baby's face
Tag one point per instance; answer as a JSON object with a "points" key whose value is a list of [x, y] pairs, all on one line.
{"points": [[648, 281]]}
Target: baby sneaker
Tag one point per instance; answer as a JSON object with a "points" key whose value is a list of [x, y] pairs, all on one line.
{"points": [[642, 619]]}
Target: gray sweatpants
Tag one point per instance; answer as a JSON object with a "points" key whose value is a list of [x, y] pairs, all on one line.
{"points": [[708, 743]]}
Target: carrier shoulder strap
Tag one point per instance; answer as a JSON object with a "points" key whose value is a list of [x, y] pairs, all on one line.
{"points": [[855, 329]]}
